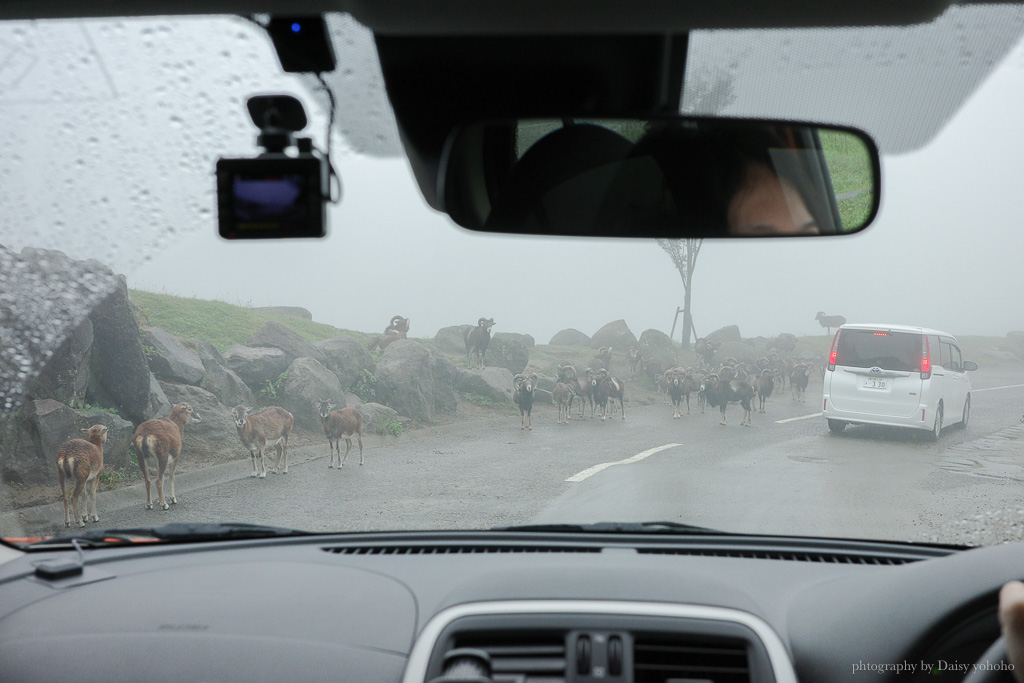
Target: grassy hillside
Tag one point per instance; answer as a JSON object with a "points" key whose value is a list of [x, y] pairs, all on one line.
{"points": [[222, 324]]}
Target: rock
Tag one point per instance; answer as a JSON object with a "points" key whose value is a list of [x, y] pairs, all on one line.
{"points": [[216, 433], [66, 377], [507, 353], [172, 359], [220, 380], [291, 311], [31, 438], [542, 396], [656, 346], [375, 417], [116, 451], [119, 372], [785, 343], [158, 404], [615, 334], [744, 353], [307, 382], [256, 366], [277, 336], [524, 339], [346, 357], [452, 339], [729, 333], [416, 380], [1016, 336], [546, 382], [570, 337], [494, 382]]}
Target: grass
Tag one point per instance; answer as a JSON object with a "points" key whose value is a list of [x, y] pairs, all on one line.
{"points": [[849, 165], [220, 323], [112, 479], [392, 427]]}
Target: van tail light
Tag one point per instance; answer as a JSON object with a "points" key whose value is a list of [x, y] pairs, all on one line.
{"points": [[926, 359], [834, 352]]}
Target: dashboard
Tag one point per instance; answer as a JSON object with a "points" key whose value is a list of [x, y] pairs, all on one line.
{"points": [[504, 606]]}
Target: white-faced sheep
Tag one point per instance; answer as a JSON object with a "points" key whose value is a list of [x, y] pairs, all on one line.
{"points": [[477, 340], [340, 424], [523, 397], [158, 444], [81, 461], [268, 427], [604, 387], [829, 321]]}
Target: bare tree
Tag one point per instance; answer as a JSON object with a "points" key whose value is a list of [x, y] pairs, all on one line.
{"points": [[684, 255]]}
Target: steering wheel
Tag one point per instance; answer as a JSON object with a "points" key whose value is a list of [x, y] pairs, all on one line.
{"points": [[988, 668]]}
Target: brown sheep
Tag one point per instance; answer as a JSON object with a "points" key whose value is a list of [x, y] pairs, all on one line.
{"points": [[158, 444], [81, 460]]}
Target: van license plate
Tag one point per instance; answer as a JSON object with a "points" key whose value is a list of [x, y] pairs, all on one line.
{"points": [[875, 383]]}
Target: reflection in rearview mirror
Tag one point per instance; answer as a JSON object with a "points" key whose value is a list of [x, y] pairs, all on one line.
{"points": [[668, 177]]}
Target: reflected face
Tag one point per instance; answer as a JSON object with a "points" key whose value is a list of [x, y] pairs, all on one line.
{"points": [[766, 204]]}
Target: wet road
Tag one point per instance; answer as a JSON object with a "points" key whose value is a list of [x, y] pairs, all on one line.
{"points": [[784, 474]]}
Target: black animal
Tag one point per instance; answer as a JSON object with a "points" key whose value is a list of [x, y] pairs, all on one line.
{"points": [[675, 380], [765, 387], [720, 393], [604, 387], [798, 379], [523, 397], [829, 321], [706, 350], [477, 340]]}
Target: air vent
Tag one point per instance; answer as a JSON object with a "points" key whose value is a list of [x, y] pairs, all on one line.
{"points": [[791, 556], [661, 658], [521, 658], [455, 549]]}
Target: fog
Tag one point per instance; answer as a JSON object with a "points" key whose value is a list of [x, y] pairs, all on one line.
{"points": [[135, 192]]}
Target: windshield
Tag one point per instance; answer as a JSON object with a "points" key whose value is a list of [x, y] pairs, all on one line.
{"points": [[404, 373]]}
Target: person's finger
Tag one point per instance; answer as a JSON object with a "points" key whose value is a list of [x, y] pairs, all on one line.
{"points": [[1011, 618]]}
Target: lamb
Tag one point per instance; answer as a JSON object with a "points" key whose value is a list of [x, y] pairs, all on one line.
{"points": [[720, 393], [81, 460], [829, 321], [340, 424], [477, 340], [523, 397], [765, 387], [562, 394], [268, 427], [397, 329], [635, 360], [158, 444]]}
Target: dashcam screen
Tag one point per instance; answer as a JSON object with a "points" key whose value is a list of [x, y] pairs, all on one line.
{"points": [[269, 202]]}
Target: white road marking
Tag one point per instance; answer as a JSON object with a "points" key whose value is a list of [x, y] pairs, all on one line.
{"points": [[1008, 386], [591, 471], [794, 419]]}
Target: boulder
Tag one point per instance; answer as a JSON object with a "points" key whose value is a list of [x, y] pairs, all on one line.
{"points": [[656, 346], [494, 382], [307, 382], [290, 311], [256, 366], [31, 438], [216, 433], [416, 380], [744, 353], [729, 333], [785, 343], [66, 376], [219, 379], [172, 359], [346, 357], [570, 337], [158, 404], [119, 372], [615, 334], [375, 417], [525, 339], [542, 396], [277, 336], [507, 353], [452, 339], [116, 451], [546, 382]]}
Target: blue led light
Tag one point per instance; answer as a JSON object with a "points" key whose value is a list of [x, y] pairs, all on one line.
{"points": [[296, 27]]}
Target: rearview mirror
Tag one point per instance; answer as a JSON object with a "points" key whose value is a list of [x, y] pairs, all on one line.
{"points": [[669, 177]]}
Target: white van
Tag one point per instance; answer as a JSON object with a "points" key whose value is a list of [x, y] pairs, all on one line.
{"points": [[896, 375]]}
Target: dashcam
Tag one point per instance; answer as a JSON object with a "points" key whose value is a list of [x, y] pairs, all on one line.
{"points": [[273, 196]]}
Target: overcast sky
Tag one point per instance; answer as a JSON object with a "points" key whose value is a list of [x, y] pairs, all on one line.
{"points": [[126, 146]]}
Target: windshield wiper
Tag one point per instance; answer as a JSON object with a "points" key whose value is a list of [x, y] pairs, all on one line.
{"points": [[616, 528], [174, 532]]}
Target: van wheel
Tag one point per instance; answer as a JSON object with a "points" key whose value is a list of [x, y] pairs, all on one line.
{"points": [[937, 427], [836, 426], [967, 413]]}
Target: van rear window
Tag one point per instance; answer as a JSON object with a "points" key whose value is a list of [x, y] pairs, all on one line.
{"points": [[900, 351]]}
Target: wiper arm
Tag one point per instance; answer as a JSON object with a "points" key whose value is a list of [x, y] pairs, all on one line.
{"points": [[176, 531], [616, 528]]}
